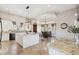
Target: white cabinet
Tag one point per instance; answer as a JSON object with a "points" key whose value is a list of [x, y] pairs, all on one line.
{"points": [[27, 40], [5, 36]]}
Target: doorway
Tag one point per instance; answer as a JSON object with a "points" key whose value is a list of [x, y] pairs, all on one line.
{"points": [[35, 28], [12, 36]]}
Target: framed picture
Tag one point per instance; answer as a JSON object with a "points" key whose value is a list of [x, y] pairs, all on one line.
{"points": [[64, 25]]}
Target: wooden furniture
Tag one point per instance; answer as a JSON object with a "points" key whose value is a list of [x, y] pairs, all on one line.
{"points": [[46, 34]]}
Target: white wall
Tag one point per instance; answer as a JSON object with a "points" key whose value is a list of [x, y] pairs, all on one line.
{"points": [[11, 17], [6, 25], [65, 17]]}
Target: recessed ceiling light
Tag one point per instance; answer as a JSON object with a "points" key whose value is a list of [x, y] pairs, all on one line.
{"points": [[48, 5], [76, 14]]}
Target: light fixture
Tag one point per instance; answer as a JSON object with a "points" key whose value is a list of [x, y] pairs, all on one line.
{"points": [[45, 25], [45, 20], [27, 7], [21, 24], [28, 19], [48, 5], [77, 13], [14, 23]]}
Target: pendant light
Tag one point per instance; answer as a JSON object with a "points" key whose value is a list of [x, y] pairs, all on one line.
{"points": [[28, 21], [27, 8], [45, 26]]}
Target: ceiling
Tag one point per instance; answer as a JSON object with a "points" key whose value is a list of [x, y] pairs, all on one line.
{"points": [[35, 10]]}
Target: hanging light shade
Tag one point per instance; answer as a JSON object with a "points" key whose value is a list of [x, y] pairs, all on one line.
{"points": [[14, 23], [21, 24]]}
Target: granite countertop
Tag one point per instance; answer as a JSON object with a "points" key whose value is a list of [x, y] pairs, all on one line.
{"points": [[66, 46]]}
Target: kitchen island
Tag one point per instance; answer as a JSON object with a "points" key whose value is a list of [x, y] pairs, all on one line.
{"points": [[27, 40]]}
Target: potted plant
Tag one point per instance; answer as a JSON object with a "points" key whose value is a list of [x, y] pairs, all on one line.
{"points": [[75, 30]]}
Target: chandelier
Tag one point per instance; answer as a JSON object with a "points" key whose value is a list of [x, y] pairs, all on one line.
{"points": [[27, 9], [28, 20]]}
